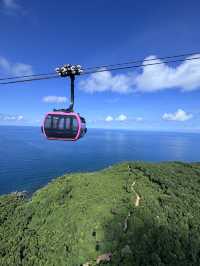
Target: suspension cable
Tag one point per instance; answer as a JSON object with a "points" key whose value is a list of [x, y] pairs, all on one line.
{"points": [[113, 67], [28, 80], [144, 60], [142, 65], [103, 66], [27, 76]]}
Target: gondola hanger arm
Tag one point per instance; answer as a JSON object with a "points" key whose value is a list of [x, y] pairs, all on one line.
{"points": [[70, 71]]}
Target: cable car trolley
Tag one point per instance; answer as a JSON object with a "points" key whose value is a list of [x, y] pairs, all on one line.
{"points": [[65, 124]]}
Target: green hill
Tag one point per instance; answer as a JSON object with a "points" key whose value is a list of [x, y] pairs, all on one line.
{"points": [[129, 214]]}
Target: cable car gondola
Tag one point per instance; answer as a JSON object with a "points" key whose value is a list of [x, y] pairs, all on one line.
{"points": [[65, 124]]}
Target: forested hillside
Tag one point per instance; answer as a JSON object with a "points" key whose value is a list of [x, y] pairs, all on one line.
{"points": [[129, 214]]}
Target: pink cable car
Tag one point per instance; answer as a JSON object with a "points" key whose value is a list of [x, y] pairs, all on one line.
{"points": [[64, 124]]}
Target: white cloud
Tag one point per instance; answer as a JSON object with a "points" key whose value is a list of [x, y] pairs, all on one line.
{"points": [[121, 117], [179, 115], [185, 77], [139, 119], [105, 81], [4, 64], [10, 4], [20, 117], [55, 99], [7, 117], [19, 69], [15, 69], [109, 118]]}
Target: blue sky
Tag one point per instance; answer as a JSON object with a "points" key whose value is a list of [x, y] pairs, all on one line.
{"points": [[37, 36]]}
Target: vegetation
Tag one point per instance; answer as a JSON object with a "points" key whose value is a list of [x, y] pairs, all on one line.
{"points": [[129, 214]]}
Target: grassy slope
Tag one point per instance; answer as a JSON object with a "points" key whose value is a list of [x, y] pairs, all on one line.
{"points": [[78, 217]]}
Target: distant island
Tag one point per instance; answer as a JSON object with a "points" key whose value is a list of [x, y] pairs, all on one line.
{"points": [[133, 213]]}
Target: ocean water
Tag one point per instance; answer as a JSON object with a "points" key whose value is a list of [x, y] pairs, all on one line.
{"points": [[28, 161]]}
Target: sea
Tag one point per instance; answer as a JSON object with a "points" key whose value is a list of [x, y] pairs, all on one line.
{"points": [[28, 161]]}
